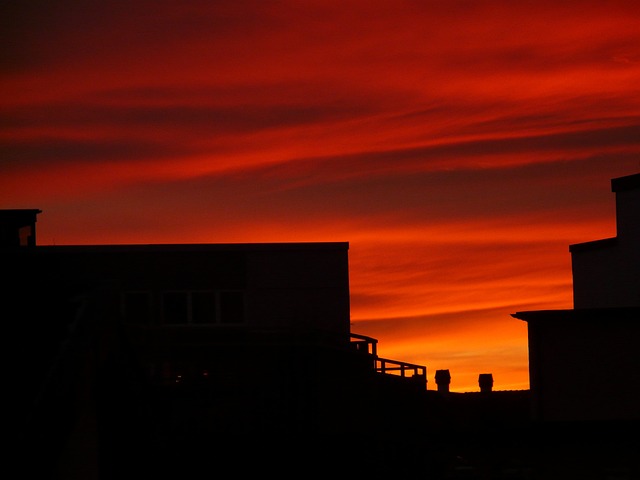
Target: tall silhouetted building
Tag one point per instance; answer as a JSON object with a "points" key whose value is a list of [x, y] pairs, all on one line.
{"points": [[584, 362]]}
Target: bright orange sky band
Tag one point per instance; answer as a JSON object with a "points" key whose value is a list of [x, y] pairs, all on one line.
{"points": [[459, 147]]}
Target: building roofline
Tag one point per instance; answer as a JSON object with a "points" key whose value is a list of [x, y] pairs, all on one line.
{"points": [[623, 313], [593, 244], [13, 213], [628, 182], [196, 247]]}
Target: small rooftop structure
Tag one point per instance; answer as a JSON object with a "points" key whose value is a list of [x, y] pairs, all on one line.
{"points": [[443, 379], [606, 272], [18, 227]]}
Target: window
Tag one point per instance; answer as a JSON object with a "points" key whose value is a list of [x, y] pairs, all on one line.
{"points": [[202, 307], [25, 234], [175, 308], [136, 307], [184, 307], [231, 306]]}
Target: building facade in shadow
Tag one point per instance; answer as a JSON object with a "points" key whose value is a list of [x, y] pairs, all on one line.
{"points": [[584, 362], [137, 360], [584, 365]]}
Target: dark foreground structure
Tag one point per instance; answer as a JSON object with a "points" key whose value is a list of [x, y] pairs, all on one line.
{"points": [[584, 363], [201, 360]]}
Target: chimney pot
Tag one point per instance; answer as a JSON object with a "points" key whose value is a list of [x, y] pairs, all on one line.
{"points": [[485, 380], [443, 379]]}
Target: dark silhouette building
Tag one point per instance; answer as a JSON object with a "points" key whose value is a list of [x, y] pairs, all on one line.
{"points": [[147, 359], [584, 363]]}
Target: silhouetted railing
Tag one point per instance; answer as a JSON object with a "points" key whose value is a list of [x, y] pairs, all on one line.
{"points": [[369, 345], [402, 369]]}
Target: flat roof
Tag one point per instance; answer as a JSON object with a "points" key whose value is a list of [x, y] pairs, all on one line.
{"points": [[593, 244], [19, 213], [629, 182], [197, 247], [621, 313]]}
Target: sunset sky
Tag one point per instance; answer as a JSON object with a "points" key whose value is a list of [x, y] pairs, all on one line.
{"points": [[459, 147]]}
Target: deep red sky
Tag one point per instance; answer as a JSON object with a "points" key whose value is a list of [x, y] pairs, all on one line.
{"points": [[459, 147]]}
